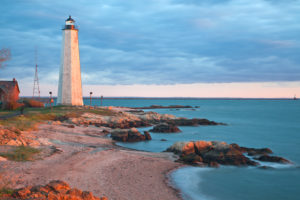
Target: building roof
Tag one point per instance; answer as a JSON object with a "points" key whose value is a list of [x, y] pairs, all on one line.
{"points": [[70, 19], [9, 85]]}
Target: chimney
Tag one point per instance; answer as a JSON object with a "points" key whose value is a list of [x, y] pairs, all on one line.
{"points": [[14, 80]]}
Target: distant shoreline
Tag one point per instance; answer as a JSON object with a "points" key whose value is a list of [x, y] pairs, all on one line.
{"points": [[174, 98]]}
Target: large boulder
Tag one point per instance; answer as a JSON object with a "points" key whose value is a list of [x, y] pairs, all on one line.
{"points": [[147, 135], [129, 135], [178, 147], [192, 122], [54, 190], [214, 153], [165, 128], [277, 159], [201, 146], [253, 151]]}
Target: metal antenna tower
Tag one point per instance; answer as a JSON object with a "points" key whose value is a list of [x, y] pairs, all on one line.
{"points": [[36, 85]]}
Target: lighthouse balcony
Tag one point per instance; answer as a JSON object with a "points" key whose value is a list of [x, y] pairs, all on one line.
{"points": [[70, 27]]}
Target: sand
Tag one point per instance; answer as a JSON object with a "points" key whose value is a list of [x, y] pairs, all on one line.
{"points": [[88, 160]]}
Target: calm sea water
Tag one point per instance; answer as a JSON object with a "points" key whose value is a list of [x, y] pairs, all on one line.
{"points": [[251, 123]]}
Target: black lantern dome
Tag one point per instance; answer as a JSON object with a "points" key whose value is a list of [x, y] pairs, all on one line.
{"points": [[70, 19]]}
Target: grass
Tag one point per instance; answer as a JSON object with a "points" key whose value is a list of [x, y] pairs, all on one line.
{"points": [[5, 190], [34, 116], [21, 154]]}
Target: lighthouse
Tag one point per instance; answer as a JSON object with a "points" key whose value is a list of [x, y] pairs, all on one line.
{"points": [[69, 87]]}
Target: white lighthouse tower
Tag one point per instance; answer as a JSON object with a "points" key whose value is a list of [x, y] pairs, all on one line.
{"points": [[69, 87]]}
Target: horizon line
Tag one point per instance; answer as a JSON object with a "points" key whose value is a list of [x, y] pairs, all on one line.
{"points": [[182, 98]]}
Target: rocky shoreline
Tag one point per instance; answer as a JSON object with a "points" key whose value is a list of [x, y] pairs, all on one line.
{"points": [[164, 107], [76, 149]]}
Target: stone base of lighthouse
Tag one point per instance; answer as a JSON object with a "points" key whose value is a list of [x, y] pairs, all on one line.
{"points": [[70, 88]]}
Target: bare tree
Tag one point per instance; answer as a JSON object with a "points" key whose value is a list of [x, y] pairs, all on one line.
{"points": [[4, 56]]}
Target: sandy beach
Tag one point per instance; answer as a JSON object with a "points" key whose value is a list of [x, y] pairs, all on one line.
{"points": [[87, 159]]}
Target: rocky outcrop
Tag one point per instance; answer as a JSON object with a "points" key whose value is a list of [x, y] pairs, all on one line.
{"points": [[129, 135], [253, 151], [121, 120], [277, 159], [14, 137], [55, 190], [165, 128], [127, 119], [191, 122], [162, 107], [214, 153], [147, 135]]}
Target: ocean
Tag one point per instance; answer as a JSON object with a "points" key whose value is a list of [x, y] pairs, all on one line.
{"points": [[251, 123]]}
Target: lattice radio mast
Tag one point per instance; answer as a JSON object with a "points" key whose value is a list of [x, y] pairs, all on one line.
{"points": [[36, 86]]}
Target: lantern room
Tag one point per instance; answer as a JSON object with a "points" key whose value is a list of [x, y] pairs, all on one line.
{"points": [[70, 23]]}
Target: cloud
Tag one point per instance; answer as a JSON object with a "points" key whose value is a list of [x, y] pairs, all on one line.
{"points": [[156, 41], [280, 43]]}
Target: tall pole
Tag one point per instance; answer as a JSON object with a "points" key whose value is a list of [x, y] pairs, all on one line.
{"points": [[101, 100], [91, 98], [50, 101]]}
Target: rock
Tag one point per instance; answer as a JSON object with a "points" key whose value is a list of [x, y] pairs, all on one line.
{"points": [[214, 164], [277, 159], [14, 137], [162, 107], [129, 135], [61, 118], [129, 119], [70, 126], [265, 167], [56, 123], [163, 140], [105, 131], [58, 185], [33, 103], [147, 135], [214, 153], [201, 145], [177, 147], [253, 151], [74, 192], [189, 148], [55, 190], [165, 128], [22, 193], [125, 124], [192, 122], [192, 159], [2, 159]]}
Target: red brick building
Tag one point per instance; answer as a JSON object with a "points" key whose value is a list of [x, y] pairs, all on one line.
{"points": [[9, 94]]}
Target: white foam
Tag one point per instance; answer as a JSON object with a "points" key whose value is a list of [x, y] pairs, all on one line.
{"points": [[187, 179], [276, 165], [271, 164]]}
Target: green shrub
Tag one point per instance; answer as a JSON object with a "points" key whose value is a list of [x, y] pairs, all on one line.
{"points": [[5, 190], [21, 153]]}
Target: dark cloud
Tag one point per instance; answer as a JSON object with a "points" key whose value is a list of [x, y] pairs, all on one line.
{"points": [[156, 41]]}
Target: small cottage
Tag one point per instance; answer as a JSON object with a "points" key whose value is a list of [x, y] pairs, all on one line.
{"points": [[9, 94]]}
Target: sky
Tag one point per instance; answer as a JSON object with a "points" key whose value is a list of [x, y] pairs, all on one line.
{"points": [[159, 48]]}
